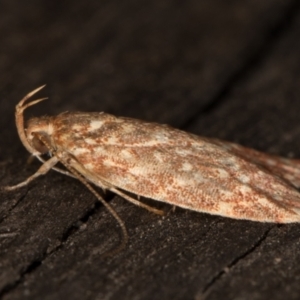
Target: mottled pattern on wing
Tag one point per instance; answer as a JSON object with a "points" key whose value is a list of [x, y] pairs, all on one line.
{"points": [[289, 169], [179, 168]]}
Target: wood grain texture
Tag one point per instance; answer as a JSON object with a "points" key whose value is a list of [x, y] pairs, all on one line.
{"points": [[222, 69]]}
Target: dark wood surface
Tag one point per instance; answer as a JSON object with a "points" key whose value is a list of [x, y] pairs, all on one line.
{"points": [[226, 69]]}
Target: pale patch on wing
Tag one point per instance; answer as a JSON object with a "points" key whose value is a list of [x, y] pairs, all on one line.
{"points": [[89, 166], [278, 197], [186, 167], [225, 208], [161, 137], [77, 127], [80, 151], [159, 157], [260, 173], [244, 189], [227, 194], [90, 141], [128, 128], [113, 140], [243, 178], [182, 152], [136, 170], [126, 154], [198, 177], [110, 163], [95, 125], [223, 174], [181, 181]]}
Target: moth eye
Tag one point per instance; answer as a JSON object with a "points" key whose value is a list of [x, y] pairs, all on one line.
{"points": [[39, 145]]}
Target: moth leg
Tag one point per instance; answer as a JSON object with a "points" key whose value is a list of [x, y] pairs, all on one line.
{"points": [[44, 168], [52, 152], [138, 203], [32, 157], [59, 170], [67, 160]]}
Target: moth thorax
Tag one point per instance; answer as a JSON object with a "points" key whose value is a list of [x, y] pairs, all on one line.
{"points": [[38, 132]]}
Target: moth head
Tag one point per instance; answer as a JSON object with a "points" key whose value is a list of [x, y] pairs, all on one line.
{"points": [[38, 133]]}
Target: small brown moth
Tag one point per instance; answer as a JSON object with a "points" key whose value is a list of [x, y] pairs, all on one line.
{"points": [[159, 162]]}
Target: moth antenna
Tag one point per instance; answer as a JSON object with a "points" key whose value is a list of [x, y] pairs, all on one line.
{"points": [[94, 192], [22, 108], [20, 119], [29, 95]]}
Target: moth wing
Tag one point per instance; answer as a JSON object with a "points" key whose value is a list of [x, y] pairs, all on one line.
{"points": [[165, 164], [213, 180], [288, 169]]}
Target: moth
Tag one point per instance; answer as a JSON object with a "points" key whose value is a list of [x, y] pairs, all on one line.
{"points": [[128, 156]]}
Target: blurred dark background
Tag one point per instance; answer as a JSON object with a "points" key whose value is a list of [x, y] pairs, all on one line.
{"points": [[226, 69]]}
